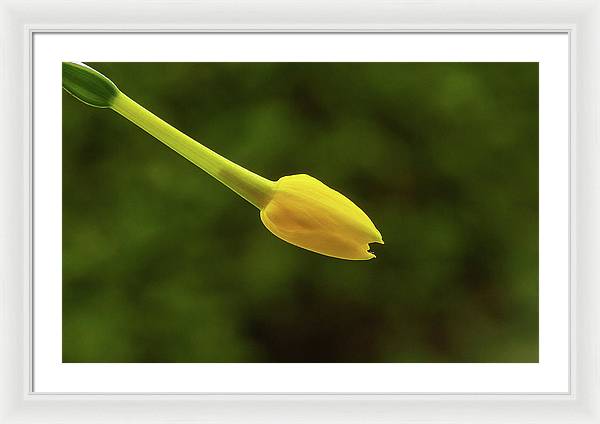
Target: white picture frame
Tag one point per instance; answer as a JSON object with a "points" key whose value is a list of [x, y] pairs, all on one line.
{"points": [[18, 21]]}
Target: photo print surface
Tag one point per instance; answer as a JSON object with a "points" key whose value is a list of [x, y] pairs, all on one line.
{"points": [[326, 212]]}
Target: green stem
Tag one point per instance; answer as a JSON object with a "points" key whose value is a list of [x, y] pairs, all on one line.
{"points": [[252, 187]]}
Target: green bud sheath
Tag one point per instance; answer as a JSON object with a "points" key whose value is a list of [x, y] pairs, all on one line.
{"points": [[88, 85], [94, 89]]}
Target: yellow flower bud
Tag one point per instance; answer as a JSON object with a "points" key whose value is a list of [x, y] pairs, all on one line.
{"points": [[298, 209], [306, 213]]}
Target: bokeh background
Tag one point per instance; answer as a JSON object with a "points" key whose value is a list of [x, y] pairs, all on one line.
{"points": [[163, 264]]}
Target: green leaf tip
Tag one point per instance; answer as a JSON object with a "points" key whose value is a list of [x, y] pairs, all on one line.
{"points": [[88, 85]]}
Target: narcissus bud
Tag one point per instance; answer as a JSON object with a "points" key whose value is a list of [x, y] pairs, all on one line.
{"points": [[307, 213], [298, 209]]}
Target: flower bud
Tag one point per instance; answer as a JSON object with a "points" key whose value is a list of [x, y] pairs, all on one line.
{"points": [[306, 213], [298, 209]]}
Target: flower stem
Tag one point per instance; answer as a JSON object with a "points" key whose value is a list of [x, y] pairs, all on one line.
{"points": [[252, 187]]}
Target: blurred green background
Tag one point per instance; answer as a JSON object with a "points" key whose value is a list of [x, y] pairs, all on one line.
{"points": [[161, 263]]}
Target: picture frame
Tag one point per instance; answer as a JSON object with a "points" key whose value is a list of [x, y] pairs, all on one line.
{"points": [[20, 21]]}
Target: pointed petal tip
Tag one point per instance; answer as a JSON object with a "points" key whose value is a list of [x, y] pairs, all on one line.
{"points": [[367, 257], [378, 238]]}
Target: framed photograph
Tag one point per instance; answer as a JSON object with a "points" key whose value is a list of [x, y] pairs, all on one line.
{"points": [[283, 219]]}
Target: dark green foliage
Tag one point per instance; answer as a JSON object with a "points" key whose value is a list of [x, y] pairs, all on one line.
{"points": [[161, 263]]}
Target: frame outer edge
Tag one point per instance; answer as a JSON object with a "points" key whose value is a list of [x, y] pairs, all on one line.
{"points": [[587, 212], [13, 192], [15, 254], [13, 212]]}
